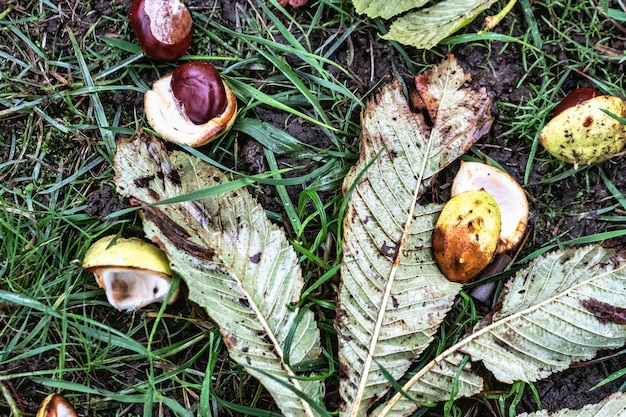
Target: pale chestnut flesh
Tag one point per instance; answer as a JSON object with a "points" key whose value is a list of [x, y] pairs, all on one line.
{"points": [[466, 235], [132, 289]]}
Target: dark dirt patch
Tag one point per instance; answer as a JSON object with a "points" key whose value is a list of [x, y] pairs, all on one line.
{"points": [[572, 388], [102, 202]]}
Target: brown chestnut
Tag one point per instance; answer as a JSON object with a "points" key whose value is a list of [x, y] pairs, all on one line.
{"points": [[575, 97], [199, 91], [192, 106], [163, 28], [55, 405]]}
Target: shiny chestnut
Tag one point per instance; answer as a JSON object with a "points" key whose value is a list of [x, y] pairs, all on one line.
{"points": [[192, 106], [199, 91], [163, 28], [576, 97]]}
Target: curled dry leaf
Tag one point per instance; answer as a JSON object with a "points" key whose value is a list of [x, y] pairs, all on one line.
{"points": [[236, 263], [392, 296]]}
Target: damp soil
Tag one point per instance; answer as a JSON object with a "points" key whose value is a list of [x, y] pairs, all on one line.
{"points": [[370, 60]]}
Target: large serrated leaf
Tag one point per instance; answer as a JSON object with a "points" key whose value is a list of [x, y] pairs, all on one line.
{"points": [[427, 23], [392, 296], [612, 406], [425, 28], [553, 315], [447, 376], [236, 263], [386, 8], [564, 307]]}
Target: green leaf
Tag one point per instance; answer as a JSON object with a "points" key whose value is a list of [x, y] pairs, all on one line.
{"points": [[427, 23], [392, 296], [385, 8], [426, 27], [562, 308], [237, 264]]}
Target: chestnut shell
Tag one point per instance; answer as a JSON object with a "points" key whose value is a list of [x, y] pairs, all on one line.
{"points": [[167, 34], [199, 91], [576, 97], [465, 237], [165, 117]]}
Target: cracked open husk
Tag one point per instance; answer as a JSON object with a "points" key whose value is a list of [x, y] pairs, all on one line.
{"points": [[166, 119], [55, 405], [466, 235], [132, 272], [505, 190]]}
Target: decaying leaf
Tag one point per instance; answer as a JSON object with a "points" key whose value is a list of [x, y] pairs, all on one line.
{"points": [[393, 297], [612, 406], [426, 23], [236, 263], [562, 308], [552, 316]]}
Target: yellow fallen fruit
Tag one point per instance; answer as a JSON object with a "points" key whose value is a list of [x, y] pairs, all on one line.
{"points": [[510, 197], [584, 134], [133, 273], [55, 405], [466, 235]]}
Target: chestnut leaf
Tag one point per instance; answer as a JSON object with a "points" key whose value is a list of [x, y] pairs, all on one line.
{"points": [[392, 296], [237, 265], [423, 27], [563, 308]]}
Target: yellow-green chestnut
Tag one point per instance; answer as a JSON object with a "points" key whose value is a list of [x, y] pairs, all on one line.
{"points": [[510, 197], [583, 133], [466, 235]]}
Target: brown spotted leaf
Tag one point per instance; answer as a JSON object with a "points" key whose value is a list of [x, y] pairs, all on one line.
{"points": [[392, 296], [236, 263], [563, 308]]}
